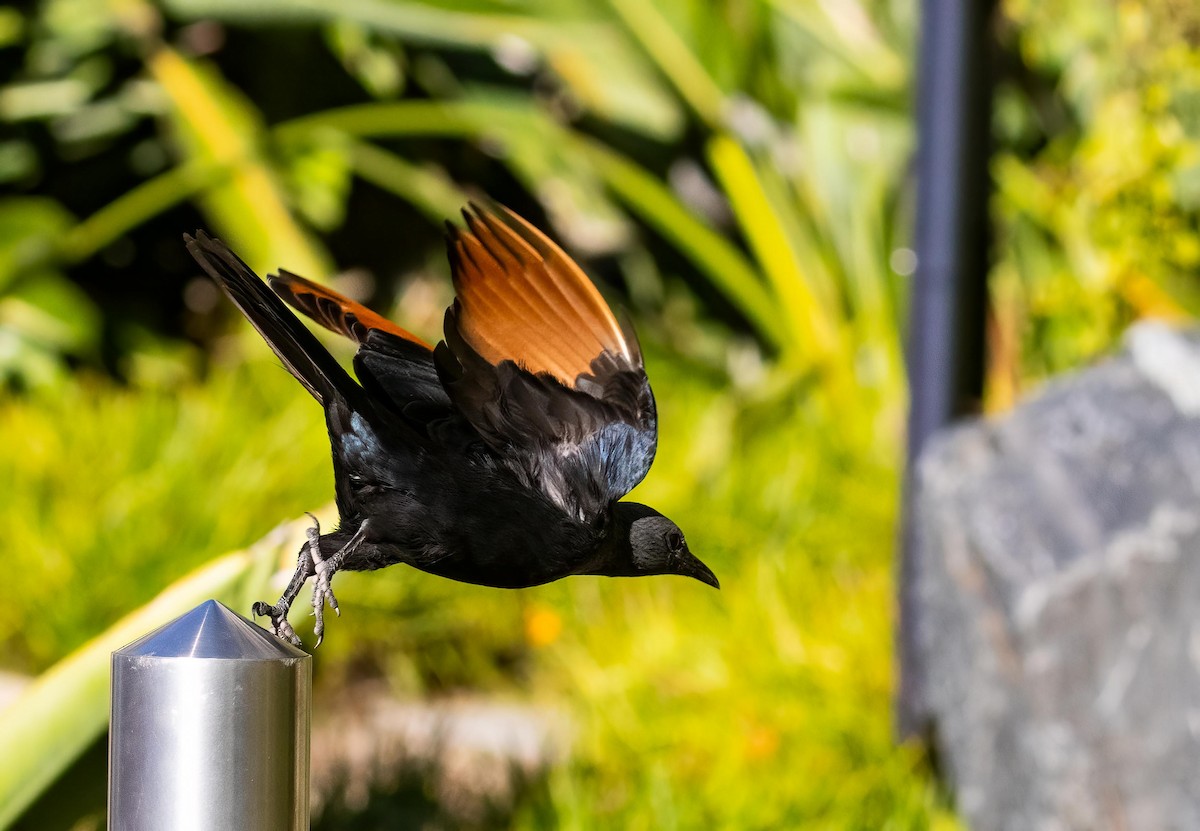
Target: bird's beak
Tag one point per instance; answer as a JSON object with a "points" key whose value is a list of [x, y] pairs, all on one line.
{"points": [[690, 566]]}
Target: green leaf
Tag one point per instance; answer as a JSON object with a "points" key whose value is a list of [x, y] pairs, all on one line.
{"points": [[712, 255], [604, 72], [217, 129], [49, 309], [317, 173], [810, 326], [674, 58], [30, 228], [139, 204], [425, 187]]}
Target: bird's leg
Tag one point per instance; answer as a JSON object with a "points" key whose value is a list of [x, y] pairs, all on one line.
{"points": [[325, 569], [304, 568]]}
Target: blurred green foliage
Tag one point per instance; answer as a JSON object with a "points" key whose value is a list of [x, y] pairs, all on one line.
{"points": [[120, 491], [790, 128], [735, 170], [42, 315], [1098, 174]]}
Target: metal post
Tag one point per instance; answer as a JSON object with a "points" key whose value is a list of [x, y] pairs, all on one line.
{"points": [[210, 728], [948, 304]]}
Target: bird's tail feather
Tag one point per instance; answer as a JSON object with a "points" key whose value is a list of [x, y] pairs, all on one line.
{"points": [[292, 342]]}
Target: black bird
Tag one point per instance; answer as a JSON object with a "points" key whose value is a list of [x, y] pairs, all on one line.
{"points": [[496, 458]]}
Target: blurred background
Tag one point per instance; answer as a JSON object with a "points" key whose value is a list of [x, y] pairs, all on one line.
{"points": [[735, 174]]}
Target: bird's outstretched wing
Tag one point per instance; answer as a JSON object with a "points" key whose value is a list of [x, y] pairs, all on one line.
{"points": [[393, 364], [535, 360]]}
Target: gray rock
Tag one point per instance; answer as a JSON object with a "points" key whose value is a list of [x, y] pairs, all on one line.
{"points": [[1058, 582]]}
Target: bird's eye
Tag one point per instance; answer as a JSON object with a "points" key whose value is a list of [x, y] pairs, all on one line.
{"points": [[674, 541]]}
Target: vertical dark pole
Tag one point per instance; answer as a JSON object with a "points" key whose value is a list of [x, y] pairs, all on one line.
{"points": [[947, 312]]}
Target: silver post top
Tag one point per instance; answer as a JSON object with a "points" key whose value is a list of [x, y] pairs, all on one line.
{"points": [[210, 728], [211, 630]]}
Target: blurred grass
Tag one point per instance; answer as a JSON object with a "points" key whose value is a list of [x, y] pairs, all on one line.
{"points": [[765, 705], [121, 491]]}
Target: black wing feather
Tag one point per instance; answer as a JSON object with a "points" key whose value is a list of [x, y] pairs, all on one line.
{"points": [[298, 349]]}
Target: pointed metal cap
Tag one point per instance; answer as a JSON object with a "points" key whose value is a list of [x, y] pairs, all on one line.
{"points": [[210, 728], [211, 630]]}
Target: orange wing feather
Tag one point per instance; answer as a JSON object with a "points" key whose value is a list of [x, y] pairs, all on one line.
{"points": [[521, 298], [334, 311]]}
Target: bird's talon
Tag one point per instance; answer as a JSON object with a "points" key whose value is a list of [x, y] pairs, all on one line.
{"points": [[319, 629], [280, 627]]}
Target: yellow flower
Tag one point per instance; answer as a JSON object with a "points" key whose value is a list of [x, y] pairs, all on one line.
{"points": [[543, 625]]}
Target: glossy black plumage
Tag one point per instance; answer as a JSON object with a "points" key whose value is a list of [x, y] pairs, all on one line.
{"points": [[496, 458]]}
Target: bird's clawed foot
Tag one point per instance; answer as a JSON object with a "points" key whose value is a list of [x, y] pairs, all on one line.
{"points": [[304, 567], [279, 622], [322, 585], [310, 563]]}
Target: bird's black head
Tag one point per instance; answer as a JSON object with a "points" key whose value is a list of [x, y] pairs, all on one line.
{"points": [[656, 545]]}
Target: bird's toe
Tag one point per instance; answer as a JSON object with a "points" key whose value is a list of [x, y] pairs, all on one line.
{"points": [[322, 594], [280, 626]]}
